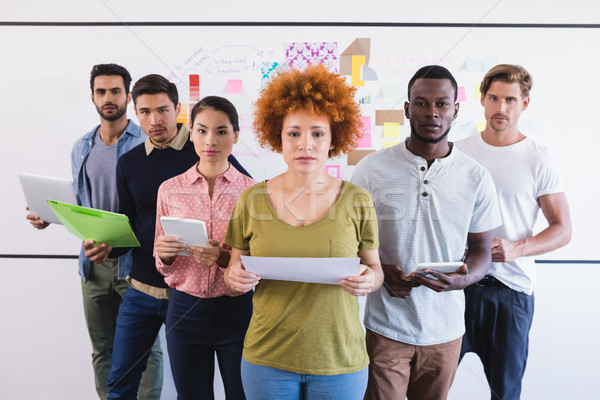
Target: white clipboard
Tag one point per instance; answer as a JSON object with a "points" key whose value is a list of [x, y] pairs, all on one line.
{"points": [[37, 189], [191, 232]]}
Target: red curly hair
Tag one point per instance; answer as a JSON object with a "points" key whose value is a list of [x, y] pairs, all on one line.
{"points": [[317, 91]]}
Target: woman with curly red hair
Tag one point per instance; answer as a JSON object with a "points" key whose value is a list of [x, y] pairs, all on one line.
{"points": [[305, 340]]}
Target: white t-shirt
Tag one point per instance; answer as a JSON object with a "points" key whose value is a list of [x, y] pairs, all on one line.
{"points": [[424, 215], [522, 173]]}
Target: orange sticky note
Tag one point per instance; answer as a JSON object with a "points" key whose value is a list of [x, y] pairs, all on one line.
{"points": [[182, 118]]}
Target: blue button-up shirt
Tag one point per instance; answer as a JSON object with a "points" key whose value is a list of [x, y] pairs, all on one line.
{"points": [[132, 136]]}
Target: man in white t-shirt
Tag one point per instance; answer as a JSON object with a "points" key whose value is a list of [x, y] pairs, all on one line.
{"points": [[499, 309]]}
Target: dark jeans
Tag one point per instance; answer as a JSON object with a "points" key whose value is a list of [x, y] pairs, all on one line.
{"points": [[498, 320], [102, 296], [139, 321], [197, 329]]}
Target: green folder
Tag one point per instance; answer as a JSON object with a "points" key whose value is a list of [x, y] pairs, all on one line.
{"points": [[89, 223]]}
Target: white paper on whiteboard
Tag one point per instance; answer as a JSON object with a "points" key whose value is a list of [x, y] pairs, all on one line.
{"points": [[192, 232], [312, 270]]}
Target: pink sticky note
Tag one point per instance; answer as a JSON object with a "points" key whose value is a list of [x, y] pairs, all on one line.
{"points": [[461, 94], [234, 86], [333, 170], [365, 141]]}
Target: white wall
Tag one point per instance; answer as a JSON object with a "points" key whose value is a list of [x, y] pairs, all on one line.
{"points": [[45, 351]]}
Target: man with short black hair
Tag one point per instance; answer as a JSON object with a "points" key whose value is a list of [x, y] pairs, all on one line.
{"points": [[499, 308], [93, 163], [437, 200]]}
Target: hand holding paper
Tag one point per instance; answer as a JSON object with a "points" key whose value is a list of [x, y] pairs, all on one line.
{"points": [[359, 285], [371, 274], [238, 279]]}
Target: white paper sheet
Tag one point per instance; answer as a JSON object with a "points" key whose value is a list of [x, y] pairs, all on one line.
{"points": [[313, 270]]}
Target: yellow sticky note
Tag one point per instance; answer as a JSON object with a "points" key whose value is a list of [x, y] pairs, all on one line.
{"points": [[480, 126], [477, 92], [357, 62], [389, 144], [391, 129]]}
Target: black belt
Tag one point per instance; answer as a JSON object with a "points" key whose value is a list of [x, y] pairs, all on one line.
{"points": [[489, 280]]}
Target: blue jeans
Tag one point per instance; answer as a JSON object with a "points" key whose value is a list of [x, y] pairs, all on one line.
{"points": [[266, 383], [498, 320], [198, 328], [140, 319]]}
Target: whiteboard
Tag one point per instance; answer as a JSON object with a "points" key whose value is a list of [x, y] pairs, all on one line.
{"points": [[46, 95]]}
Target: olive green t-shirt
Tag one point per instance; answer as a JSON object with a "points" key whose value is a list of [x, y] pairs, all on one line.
{"points": [[306, 328]]}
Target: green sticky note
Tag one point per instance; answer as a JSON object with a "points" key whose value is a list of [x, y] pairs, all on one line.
{"points": [[391, 129], [89, 223]]}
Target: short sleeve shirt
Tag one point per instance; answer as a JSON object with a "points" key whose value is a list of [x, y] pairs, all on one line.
{"points": [[522, 172], [306, 328]]}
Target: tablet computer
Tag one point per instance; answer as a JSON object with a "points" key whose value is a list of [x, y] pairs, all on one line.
{"points": [[443, 267], [37, 189], [191, 232]]}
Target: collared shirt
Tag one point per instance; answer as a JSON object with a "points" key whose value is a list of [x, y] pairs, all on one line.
{"points": [[425, 214], [176, 143], [132, 136], [186, 196]]}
